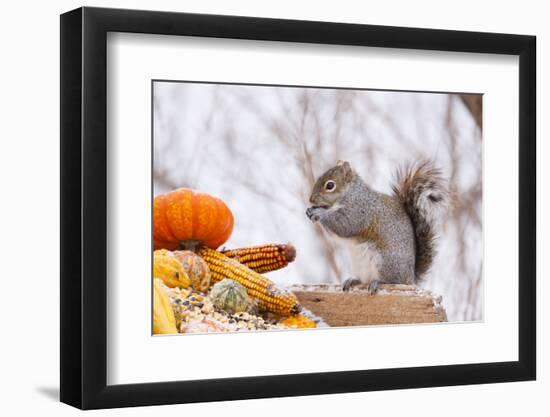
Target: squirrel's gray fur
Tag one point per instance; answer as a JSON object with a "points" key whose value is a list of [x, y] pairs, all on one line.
{"points": [[392, 237]]}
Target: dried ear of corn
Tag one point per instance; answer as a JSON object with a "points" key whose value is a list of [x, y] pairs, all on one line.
{"points": [[269, 297], [263, 258]]}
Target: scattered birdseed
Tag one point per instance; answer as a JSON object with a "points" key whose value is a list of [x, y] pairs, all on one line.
{"points": [[195, 313]]}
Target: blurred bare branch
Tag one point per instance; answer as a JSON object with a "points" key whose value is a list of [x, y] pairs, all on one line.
{"points": [[474, 104]]}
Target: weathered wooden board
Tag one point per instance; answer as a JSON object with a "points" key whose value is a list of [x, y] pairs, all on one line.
{"points": [[393, 304]]}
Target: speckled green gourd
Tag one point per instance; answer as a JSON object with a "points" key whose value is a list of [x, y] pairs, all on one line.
{"points": [[230, 296]]}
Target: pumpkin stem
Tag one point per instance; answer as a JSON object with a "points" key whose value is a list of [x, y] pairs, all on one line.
{"points": [[191, 245]]}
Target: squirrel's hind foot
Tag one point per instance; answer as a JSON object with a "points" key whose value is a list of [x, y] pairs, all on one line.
{"points": [[372, 287], [349, 284]]}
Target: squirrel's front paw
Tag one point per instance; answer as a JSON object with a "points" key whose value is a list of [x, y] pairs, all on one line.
{"points": [[314, 213]]}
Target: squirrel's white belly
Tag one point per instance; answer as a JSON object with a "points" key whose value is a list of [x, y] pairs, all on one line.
{"points": [[365, 262], [365, 259]]}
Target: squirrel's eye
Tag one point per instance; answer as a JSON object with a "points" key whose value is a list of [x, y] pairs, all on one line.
{"points": [[330, 185]]}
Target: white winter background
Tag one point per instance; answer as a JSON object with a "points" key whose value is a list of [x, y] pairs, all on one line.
{"points": [[260, 149]]}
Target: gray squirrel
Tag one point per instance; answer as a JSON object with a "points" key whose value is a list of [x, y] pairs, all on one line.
{"points": [[391, 237]]}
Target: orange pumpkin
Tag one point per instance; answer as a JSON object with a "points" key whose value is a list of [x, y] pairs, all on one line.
{"points": [[184, 217]]}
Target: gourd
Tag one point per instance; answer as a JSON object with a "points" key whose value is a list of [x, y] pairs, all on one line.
{"points": [[299, 321], [269, 297], [263, 258], [185, 218], [196, 268], [164, 321], [169, 269], [230, 296]]}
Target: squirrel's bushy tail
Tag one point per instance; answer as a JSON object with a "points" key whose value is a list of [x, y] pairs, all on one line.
{"points": [[424, 193]]}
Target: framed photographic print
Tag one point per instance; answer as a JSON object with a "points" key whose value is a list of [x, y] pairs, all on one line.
{"points": [[294, 207]]}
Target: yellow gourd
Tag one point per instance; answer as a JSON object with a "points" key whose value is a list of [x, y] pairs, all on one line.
{"points": [[196, 268], [164, 321], [169, 269], [299, 322]]}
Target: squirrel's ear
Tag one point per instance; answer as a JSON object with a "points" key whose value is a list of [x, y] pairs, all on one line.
{"points": [[346, 168]]}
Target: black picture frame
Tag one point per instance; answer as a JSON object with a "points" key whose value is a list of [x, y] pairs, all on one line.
{"points": [[84, 207]]}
